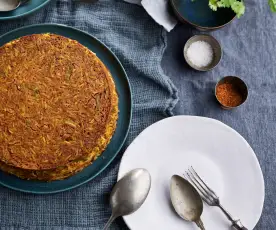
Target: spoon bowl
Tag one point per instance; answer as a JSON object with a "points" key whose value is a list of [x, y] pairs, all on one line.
{"points": [[9, 5], [129, 194], [186, 200]]}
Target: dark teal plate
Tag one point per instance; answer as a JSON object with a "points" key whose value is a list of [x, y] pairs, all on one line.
{"points": [[125, 107], [198, 14], [23, 10]]}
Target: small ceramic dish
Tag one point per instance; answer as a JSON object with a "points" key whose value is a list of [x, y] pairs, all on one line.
{"points": [[217, 51], [199, 15], [237, 84]]}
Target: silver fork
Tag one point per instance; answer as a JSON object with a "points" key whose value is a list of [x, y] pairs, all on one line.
{"points": [[209, 196]]}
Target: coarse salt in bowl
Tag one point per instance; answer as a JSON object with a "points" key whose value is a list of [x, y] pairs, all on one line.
{"points": [[202, 52], [206, 53]]}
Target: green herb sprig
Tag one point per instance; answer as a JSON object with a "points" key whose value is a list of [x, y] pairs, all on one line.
{"points": [[272, 4], [236, 5]]}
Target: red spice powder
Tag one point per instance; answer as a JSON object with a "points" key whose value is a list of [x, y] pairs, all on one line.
{"points": [[229, 95]]}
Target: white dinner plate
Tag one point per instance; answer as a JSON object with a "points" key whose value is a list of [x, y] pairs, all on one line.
{"points": [[218, 153]]}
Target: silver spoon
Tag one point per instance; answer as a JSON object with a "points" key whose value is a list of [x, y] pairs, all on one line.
{"points": [[9, 5], [186, 200], [129, 194]]}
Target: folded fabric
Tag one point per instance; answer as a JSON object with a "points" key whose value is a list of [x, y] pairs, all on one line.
{"points": [[159, 11]]}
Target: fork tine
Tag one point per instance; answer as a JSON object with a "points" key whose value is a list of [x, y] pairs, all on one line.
{"points": [[203, 196], [200, 184], [211, 191], [199, 188]]}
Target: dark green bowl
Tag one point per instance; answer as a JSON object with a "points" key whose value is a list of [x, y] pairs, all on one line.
{"points": [[198, 14]]}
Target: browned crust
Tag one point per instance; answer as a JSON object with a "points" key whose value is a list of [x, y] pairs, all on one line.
{"points": [[73, 167], [58, 107]]}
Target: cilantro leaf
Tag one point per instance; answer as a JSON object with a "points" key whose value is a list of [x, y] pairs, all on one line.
{"points": [[272, 4], [238, 8], [236, 5], [213, 5]]}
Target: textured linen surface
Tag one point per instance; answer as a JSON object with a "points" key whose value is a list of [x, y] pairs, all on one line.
{"points": [[139, 43], [249, 46]]}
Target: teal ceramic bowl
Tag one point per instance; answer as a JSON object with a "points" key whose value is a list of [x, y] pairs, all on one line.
{"points": [[125, 107], [24, 10], [198, 14]]}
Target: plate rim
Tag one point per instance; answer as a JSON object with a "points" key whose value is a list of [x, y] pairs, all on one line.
{"points": [[219, 123], [130, 111], [26, 13]]}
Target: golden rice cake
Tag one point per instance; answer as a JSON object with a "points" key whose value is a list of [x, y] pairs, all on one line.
{"points": [[58, 107]]}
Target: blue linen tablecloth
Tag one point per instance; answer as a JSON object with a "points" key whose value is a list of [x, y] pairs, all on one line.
{"points": [[139, 43]]}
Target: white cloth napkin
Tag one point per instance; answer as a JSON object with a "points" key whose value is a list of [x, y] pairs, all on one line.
{"points": [[159, 11]]}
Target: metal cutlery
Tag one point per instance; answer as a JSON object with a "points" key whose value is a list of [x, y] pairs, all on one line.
{"points": [[9, 5], [129, 193], [186, 200], [209, 196]]}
